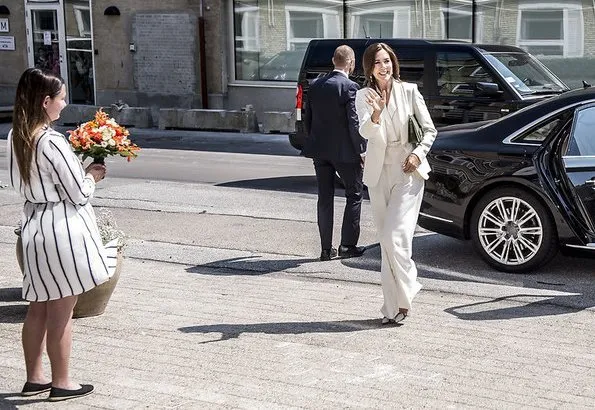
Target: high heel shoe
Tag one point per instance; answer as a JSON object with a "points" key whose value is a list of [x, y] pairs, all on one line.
{"points": [[400, 317]]}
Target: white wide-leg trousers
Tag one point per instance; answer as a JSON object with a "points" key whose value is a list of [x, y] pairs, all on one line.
{"points": [[395, 202]]}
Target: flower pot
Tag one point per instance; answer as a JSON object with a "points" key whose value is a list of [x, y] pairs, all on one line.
{"points": [[93, 302]]}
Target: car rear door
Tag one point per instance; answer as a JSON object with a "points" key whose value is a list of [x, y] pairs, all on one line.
{"points": [[569, 159]]}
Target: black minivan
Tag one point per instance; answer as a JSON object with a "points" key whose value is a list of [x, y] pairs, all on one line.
{"points": [[461, 82]]}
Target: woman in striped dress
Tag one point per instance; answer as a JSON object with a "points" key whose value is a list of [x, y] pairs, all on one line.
{"points": [[62, 250]]}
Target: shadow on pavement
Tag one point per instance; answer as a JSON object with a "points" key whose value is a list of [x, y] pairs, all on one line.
{"points": [[446, 259], [232, 331], [17, 400], [11, 294], [305, 184], [13, 313], [301, 184], [548, 305], [246, 266], [443, 258], [255, 265]]}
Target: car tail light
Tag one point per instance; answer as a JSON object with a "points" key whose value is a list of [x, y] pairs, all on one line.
{"points": [[299, 102]]}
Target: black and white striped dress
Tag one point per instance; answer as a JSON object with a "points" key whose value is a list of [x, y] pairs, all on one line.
{"points": [[62, 250]]}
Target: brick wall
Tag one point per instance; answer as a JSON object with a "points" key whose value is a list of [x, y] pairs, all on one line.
{"points": [[165, 61], [13, 63]]}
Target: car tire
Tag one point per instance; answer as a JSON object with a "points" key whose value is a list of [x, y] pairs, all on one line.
{"points": [[513, 231]]}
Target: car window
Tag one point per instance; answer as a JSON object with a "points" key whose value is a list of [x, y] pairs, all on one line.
{"points": [[540, 132], [582, 141], [411, 65], [525, 73], [458, 73], [320, 58]]}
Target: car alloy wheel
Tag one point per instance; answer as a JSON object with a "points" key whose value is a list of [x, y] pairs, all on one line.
{"points": [[512, 230]]}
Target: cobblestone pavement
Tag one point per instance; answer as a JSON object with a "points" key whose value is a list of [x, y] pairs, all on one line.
{"points": [[182, 336], [204, 319]]}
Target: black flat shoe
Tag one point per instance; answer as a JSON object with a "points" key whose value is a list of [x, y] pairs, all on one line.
{"points": [[328, 254], [57, 394], [351, 251], [31, 389]]}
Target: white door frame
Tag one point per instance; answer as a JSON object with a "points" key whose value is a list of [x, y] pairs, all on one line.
{"points": [[59, 9]]}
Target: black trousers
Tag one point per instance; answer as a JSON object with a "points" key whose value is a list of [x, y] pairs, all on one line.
{"points": [[351, 174]]}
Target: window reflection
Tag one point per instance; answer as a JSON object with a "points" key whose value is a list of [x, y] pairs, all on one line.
{"points": [[271, 36], [46, 49], [458, 74], [582, 136], [277, 32], [79, 52], [380, 19]]}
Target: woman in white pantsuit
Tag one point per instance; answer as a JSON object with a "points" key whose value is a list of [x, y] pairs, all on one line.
{"points": [[62, 251], [394, 172]]}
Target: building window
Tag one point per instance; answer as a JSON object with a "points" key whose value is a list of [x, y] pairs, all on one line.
{"points": [[44, 20], [271, 37], [83, 20], [246, 29], [551, 30], [457, 24], [380, 22], [305, 24], [247, 43]]}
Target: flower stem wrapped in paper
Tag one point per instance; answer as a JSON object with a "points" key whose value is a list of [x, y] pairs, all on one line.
{"points": [[102, 137]]}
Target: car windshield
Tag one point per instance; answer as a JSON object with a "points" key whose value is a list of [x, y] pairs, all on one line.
{"points": [[525, 73]]}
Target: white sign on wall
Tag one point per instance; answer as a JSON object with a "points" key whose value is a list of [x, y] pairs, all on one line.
{"points": [[7, 43], [4, 25]]}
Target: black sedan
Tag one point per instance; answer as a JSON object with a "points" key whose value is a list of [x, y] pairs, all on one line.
{"points": [[521, 187]]}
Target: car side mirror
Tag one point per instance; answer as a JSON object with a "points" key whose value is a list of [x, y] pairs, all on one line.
{"points": [[487, 90]]}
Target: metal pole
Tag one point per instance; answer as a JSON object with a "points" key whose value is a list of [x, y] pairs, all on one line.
{"points": [[447, 25], [473, 16], [204, 96], [344, 18], [423, 18]]}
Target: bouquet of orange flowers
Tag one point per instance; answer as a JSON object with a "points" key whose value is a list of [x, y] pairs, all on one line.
{"points": [[102, 137]]}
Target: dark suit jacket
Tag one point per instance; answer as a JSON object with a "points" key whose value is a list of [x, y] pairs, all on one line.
{"points": [[331, 120]]}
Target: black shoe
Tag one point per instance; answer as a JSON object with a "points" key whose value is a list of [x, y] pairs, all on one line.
{"points": [[351, 251], [31, 389], [328, 254], [57, 394]]}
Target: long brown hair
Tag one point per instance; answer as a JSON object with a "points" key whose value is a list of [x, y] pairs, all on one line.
{"points": [[369, 60], [29, 114]]}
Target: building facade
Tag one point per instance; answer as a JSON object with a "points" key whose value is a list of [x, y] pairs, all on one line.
{"points": [[230, 53]]}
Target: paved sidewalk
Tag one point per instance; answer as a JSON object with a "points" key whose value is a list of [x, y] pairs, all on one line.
{"points": [[177, 335], [205, 319]]}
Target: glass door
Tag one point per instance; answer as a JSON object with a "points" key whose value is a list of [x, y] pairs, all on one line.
{"points": [[45, 38], [79, 52]]}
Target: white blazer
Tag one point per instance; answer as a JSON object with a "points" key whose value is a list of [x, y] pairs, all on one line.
{"points": [[405, 99]]}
